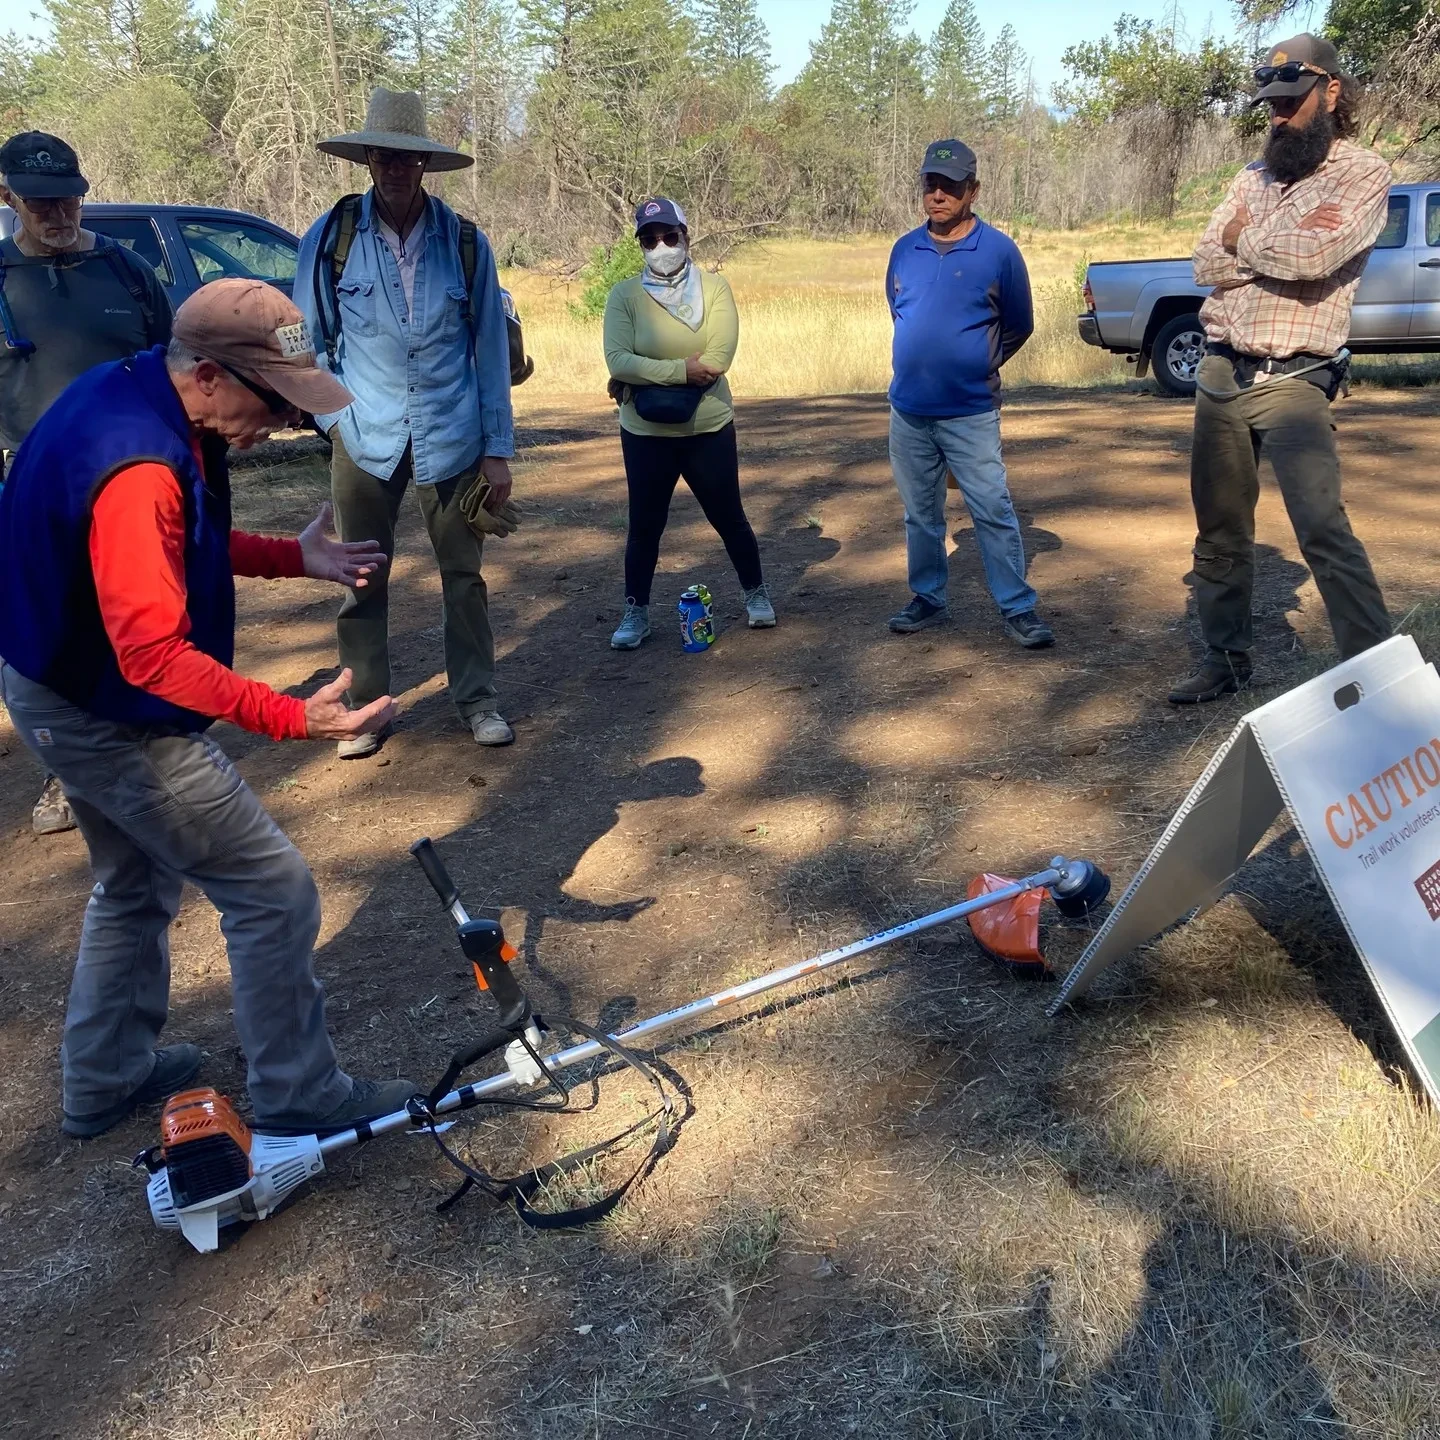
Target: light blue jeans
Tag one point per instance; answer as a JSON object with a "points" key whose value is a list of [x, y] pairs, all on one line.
{"points": [[922, 449]]}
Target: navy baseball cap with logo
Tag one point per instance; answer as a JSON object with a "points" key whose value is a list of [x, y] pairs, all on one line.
{"points": [[951, 158], [659, 211], [37, 166]]}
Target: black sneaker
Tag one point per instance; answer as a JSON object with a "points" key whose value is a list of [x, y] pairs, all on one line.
{"points": [[174, 1069], [918, 615], [1029, 630], [1218, 675], [369, 1100]]}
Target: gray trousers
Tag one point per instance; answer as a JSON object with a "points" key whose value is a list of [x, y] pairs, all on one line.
{"points": [[366, 509], [1290, 419], [158, 808]]}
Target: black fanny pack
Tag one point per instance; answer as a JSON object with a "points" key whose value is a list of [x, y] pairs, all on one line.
{"points": [[667, 404], [1330, 373]]}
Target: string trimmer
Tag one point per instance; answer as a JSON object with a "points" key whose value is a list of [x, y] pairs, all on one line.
{"points": [[211, 1170]]}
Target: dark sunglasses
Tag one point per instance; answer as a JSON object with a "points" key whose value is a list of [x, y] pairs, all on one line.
{"points": [[399, 159], [649, 240], [274, 401], [1286, 74]]}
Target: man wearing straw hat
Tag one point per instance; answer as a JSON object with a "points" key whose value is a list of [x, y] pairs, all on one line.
{"points": [[406, 308]]}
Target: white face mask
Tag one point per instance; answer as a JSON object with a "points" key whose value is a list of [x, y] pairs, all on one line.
{"points": [[666, 260]]}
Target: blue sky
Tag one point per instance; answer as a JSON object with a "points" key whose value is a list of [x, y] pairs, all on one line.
{"points": [[1045, 27]]}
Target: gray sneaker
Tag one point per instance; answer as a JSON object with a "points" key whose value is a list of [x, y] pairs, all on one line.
{"points": [[634, 628], [52, 813], [758, 608], [369, 1100], [361, 747], [491, 728]]}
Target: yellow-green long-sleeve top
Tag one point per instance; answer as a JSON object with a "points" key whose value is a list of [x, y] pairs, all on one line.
{"points": [[646, 345]]}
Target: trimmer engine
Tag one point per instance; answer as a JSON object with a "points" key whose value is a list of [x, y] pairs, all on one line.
{"points": [[210, 1170]]}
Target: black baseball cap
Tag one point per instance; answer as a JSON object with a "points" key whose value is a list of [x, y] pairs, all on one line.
{"points": [[951, 158], [659, 211], [37, 166], [1307, 52]]}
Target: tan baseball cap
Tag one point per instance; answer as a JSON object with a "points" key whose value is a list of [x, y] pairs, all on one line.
{"points": [[256, 329]]}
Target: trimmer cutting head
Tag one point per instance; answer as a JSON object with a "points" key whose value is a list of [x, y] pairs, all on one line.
{"points": [[1081, 888]]}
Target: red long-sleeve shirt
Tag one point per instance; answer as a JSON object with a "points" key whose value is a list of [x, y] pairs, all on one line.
{"points": [[137, 552]]}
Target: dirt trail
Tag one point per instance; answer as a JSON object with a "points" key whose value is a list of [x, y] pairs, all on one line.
{"points": [[899, 1208]]}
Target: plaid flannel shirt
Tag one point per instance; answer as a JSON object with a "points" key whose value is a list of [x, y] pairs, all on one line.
{"points": [[1288, 290]]}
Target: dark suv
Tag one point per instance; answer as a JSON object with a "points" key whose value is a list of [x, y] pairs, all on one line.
{"points": [[191, 244]]}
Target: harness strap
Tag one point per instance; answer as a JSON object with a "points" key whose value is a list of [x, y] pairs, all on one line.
{"points": [[520, 1190]]}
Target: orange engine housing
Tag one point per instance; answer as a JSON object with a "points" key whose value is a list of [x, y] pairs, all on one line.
{"points": [[206, 1146]]}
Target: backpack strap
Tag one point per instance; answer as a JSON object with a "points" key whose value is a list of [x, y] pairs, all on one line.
{"points": [[336, 240], [14, 340], [469, 262], [126, 273]]}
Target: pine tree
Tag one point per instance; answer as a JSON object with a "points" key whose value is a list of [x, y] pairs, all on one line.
{"points": [[1006, 70], [863, 64], [957, 66], [733, 43]]}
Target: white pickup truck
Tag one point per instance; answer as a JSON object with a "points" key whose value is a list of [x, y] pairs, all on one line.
{"points": [[1149, 310]]}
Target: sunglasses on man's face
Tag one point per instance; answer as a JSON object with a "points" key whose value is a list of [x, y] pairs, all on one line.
{"points": [[396, 159], [273, 400], [1286, 74], [651, 238]]}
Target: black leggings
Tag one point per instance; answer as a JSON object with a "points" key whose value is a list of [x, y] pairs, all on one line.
{"points": [[711, 467]]}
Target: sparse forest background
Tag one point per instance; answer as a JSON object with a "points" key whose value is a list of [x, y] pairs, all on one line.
{"points": [[575, 109]]}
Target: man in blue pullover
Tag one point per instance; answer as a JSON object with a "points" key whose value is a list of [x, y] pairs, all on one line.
{"points": [[960, 298]]}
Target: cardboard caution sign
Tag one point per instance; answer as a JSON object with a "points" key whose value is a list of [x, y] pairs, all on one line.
{"points": [[1354, 755]]}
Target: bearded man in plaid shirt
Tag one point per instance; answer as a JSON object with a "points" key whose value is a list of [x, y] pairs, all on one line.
{"points": [[1284, 252]]}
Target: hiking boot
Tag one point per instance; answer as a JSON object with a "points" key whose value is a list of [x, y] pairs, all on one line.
{"points": [[491, 728], [1029, 630], [361, 747], [919, 614], [175, 1068], [1218, 675], [52, 813], [758, 608], [369, 1100], [634, 629]]}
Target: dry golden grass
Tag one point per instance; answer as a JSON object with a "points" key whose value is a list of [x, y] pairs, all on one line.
{"points": [[814, 321]]}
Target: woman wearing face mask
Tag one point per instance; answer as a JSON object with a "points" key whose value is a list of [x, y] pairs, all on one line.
{"points": [[670, 336]]}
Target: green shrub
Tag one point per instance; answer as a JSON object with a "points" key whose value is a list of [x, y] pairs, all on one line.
{"points": [[607, 267]]}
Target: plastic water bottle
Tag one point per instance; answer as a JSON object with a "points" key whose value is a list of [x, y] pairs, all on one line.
{"points": [[697, 622]]}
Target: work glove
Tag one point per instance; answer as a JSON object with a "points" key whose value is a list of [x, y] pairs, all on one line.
{"points": [[500, 522]]}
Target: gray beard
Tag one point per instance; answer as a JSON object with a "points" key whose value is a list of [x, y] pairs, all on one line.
{"points": [[1292, 154]]}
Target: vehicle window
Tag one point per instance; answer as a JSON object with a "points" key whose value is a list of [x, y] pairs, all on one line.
{"points": [[227, 248], [1432, 218], [137, 235], [1397, 224]]}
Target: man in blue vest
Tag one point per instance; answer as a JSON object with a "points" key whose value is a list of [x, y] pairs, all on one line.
{"points": [[960, 299], [117, 628]]}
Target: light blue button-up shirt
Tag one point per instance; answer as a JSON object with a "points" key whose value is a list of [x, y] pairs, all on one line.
{"points": [[423, 378]]}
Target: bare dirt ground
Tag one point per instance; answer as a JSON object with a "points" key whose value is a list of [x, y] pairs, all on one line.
{"points": [[1205, 1204]]}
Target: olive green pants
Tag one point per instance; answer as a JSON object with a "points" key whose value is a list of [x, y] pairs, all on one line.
{"points": [[1289, 420], [366, 508]]}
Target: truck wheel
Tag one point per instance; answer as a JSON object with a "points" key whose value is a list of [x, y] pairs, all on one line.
{"points": [[1176, 352]]}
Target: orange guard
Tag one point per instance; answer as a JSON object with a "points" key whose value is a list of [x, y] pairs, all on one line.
{"points": [[1011, 930]]}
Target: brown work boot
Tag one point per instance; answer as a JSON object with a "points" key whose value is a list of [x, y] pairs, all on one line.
{"points": [[52, 813], [1219, 674]]}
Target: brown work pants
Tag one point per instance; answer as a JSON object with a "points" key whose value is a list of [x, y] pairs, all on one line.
{"points": [[1289, 419]]}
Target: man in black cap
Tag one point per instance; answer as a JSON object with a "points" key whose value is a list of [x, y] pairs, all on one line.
{"points": [[960, 299], [1284, 251], [69, 299]]}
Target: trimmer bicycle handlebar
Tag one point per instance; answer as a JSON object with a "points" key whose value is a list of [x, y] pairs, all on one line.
{"points": [[435, 871]]}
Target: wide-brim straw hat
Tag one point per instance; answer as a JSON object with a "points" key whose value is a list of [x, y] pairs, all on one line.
{"points": [[395, 120]]}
